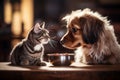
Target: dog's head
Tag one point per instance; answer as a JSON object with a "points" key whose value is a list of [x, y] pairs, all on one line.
{"points": [[83, 28]]}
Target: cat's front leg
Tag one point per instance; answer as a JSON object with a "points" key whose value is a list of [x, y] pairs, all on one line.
{"points": [[42, 62]]}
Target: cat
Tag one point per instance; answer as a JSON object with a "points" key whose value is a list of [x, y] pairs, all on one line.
{"points": [[30, 50]]}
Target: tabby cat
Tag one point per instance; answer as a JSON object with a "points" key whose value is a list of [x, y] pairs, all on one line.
{"points": [[30, 50]]}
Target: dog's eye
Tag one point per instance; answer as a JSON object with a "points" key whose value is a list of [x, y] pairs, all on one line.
{"points": [[74, 30]]}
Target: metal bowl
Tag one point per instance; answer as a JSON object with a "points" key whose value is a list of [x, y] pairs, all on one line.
{"points": [[61, 59]]}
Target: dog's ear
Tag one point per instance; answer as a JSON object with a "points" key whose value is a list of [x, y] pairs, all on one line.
{"points": [[91, 28]]}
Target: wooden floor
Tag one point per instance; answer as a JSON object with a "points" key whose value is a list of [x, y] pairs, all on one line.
{"points": [[79, 72]]}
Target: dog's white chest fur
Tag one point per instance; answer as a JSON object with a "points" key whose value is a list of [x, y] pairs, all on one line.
{"points": [[78, 54]]}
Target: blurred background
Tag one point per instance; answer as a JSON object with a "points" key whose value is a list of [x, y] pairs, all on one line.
{"points": [[18, 16]]}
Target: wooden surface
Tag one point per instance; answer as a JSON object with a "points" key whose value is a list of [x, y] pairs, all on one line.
{"points": [[79, 72]]}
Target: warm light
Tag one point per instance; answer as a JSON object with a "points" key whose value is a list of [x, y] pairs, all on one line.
{"points": [[14, 42], [27, 15], [7, 12], [16, 24]]}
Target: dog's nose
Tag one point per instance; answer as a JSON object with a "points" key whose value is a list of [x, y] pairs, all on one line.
{"points": [[62, 41]]}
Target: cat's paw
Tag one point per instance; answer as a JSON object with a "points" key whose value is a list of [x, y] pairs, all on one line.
{"points": [[43, 63]]}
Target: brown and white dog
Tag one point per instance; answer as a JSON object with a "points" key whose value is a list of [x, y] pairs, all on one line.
{"points": [[92, 36]]}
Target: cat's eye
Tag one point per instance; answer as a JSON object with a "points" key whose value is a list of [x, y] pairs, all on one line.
{"points": [[74, 29]]}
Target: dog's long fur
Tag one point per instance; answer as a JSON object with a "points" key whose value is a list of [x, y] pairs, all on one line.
{"points": [[92, 36]]}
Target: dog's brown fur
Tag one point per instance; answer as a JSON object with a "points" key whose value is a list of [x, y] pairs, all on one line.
{"points": [[92, 36]]}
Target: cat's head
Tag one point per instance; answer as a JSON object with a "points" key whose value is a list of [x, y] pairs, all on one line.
{"points": [[40, 33]]}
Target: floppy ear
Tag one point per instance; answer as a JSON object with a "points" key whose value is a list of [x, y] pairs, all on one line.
{"points": [[91, 29], [38, 27]]}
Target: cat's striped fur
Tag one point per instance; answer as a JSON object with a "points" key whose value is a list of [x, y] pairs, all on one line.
{"points": [[30, 50]]}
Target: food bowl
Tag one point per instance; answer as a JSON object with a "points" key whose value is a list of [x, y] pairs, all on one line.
{"points": [[61, 59]]}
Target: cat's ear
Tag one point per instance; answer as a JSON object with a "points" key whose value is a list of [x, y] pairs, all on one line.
{"points": [[37, 28], [43, 25]]}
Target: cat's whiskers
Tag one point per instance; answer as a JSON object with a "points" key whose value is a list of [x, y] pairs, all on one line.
{"points": [[52, 42]]}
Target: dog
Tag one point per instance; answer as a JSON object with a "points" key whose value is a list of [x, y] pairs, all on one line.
{"points": [[92, 37]]}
